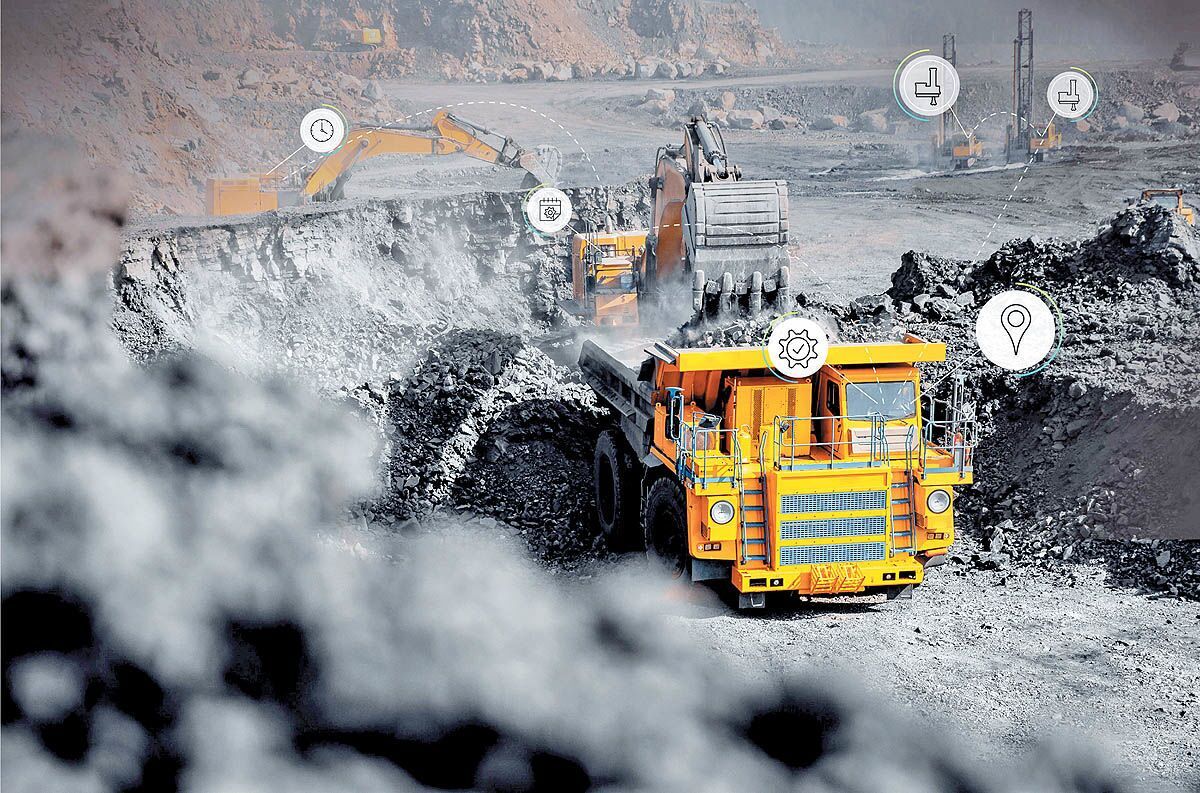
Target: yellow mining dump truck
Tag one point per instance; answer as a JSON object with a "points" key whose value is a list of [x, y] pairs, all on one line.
{"points": [[841, 484]]}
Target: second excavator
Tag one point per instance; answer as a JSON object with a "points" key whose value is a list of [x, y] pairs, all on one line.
{"points": [[704, 218], [326, 180]]}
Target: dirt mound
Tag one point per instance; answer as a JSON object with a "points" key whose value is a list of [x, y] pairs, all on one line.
{"points": [[1091, 459], [491, 425]]}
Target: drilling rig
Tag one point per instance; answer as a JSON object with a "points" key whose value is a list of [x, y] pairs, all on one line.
{"points": [[1025, 142], [962, 149]]}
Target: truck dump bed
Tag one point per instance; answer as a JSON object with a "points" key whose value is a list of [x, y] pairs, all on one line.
{"points": [[615, 372]]}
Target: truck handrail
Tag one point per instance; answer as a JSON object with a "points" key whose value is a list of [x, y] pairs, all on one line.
{"points": [[878, 451], [700, 444], [950, 428]]}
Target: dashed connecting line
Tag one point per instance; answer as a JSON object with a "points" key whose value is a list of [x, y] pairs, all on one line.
{"points": [[411, 116], [1004, 207]]}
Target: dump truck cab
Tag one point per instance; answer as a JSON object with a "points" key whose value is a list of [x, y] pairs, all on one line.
{"points": [[837, 484]]}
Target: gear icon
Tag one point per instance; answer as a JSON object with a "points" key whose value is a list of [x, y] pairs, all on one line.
{"points": [[798, 348]]}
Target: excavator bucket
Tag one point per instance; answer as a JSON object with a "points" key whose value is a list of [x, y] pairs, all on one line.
{"points": [[737, 233], [737, 226], [543, 165]]}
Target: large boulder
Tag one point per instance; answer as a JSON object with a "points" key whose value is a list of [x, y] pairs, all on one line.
{"points": [[656, 107], [251, 78], [830, 122], [745, 119], [373, 91], [664, 94], [873, 121], [666, 70], [1131, 111], [561, 73], [1167, 111], [769, 113]]}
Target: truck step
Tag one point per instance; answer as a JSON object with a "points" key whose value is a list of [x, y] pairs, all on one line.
{"points": [[754, 558], [752, 492], [900, 484], [756, 524], [899, 500], [756, 507], [754, 540], [901, 517]]}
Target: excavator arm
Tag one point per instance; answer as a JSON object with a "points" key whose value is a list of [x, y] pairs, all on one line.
{"points": [[447, 134]]}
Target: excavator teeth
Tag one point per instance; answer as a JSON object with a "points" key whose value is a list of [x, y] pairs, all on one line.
{"points": [[727, 296]]}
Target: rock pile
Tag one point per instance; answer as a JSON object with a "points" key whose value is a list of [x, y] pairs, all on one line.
{"points": [[1090, 459], [488, 424]]}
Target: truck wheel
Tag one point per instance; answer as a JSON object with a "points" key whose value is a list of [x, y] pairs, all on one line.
{"points": [[664, 525], [616, 486]]}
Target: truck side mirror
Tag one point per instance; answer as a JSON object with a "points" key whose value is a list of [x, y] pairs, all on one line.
{"points": [[674, 413]]}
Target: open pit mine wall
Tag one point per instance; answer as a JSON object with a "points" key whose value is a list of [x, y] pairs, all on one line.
{"points": [[444, 252]]}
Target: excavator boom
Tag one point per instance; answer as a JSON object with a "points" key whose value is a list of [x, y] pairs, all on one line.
{"points": [[446, 134]]}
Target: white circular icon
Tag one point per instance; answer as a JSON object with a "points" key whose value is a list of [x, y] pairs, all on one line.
{"points": [[548, 210], [797, 347], [1071, 94], [1015, 330], [928, 85], [322, 130]]}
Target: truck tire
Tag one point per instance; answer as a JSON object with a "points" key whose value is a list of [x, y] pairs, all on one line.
{"points": [[664, 526], [616, 485]]}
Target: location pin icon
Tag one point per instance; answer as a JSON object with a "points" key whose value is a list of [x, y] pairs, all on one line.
{"points": [[1015, 320]]}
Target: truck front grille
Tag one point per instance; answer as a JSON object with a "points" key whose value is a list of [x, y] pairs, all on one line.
{"points": [[826, 554], [797, 503], [832, 527]]}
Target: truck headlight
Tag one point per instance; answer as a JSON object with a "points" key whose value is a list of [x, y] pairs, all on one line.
{"points": [[938, 501], [721, 512]]}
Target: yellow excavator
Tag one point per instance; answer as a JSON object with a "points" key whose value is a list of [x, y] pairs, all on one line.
{"points": [[326, 181], [703, 218], [1172, 199]]}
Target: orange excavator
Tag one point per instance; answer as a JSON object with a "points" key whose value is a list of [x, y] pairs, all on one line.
{"points": [[703, 218], [326, 181]]}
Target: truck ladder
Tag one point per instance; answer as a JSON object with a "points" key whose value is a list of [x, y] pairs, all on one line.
{"points": [[904, 539], [752, 511]]}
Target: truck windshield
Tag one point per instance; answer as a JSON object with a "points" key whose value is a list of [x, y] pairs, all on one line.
{"points": [[889, 400]]}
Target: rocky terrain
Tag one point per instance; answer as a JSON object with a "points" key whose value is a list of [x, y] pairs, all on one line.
{"points": [[277, 488], [216, 87]]}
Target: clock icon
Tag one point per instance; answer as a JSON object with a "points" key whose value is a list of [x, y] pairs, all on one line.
{"points": [[322, 130]]}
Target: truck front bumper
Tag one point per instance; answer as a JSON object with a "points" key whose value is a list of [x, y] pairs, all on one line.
{"points": [[837, 578]]}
